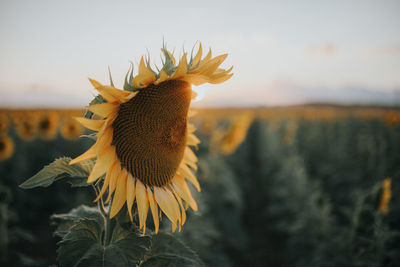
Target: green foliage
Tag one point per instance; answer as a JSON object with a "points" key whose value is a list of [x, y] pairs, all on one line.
{"points": [[167, 250], [83, 233], [75, 174], [310, 203]]}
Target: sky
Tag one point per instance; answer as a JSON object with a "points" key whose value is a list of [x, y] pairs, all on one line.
{"points": [[283, 52]]}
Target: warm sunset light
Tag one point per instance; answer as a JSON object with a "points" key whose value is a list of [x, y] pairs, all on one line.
{"points": [[200, 133]]}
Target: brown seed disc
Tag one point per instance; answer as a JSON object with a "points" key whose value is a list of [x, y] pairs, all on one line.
{"points": [[150, 131]]}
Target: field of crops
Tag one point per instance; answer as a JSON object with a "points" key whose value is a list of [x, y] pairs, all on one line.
{"points": [[291, 186]]}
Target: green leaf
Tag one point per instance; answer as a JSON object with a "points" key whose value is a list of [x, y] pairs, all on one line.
{"points": [[76, 173], [65, 221], [167, 250], [83, 246]]}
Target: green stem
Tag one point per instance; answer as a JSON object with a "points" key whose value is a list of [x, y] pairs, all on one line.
{"points": [[106, 218]]}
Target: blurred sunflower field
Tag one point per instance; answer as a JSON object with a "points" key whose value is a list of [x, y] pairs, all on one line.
{"points": [[311, 185]]}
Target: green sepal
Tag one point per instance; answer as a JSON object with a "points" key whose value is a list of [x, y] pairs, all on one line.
{"points": [[109, 74], [128, 86], [167, 250], [75, 174], [168, 64]]}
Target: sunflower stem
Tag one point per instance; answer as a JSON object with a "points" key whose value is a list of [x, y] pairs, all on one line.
{"points": [[106, 218]]}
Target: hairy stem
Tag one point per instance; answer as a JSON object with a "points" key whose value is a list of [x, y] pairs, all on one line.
{"points": [[106, 218]]}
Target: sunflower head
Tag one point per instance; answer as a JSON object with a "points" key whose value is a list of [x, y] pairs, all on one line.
{"points": [[143, 137], [6, 147], [48, 125], [26, 126], [4, 122]]}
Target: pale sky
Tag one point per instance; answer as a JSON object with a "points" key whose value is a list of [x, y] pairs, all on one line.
{"points": [[283, 52]]}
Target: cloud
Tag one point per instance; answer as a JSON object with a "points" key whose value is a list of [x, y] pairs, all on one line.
{"points": [[322, 50]]}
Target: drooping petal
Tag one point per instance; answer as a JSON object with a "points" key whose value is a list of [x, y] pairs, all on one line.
{"points": [[130, 194], [190, 158], [187, 173], [154, 209], [142, 204], [165, 201], [183, 191], [89, 154], [94, 125], [103, 164], [103, 110], [111, 175], [116, 172], [119, 196], [183, 212]]}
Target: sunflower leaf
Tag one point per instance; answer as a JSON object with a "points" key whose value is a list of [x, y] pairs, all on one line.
{"points": [[82, 245], [167, 250], [76, 174], [66, 220]]}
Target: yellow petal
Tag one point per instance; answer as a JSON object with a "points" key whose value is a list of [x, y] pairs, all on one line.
{"points": [[187, 173], [192, 140], [190, 155], [220, 79], [115, 94], [116, 172], [103, 164], [205, 59], [181, 70], [94, 125], [107, 180], [104, 140], [142, 204], [183, 191], [165, 201], [145, 76], [196, 59], [89, 154], [103, 110], [183, 212], [95, 83], [211, 66], [162, 78], [154, 209], [119, 196], [130, 193]]}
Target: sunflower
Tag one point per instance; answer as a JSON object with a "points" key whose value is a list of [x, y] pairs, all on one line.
{"points": [[4, 122], [6, 147], [71, 129], [143, 137], [235, 135], [385, 196], [48, 125], [26, 127]]}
